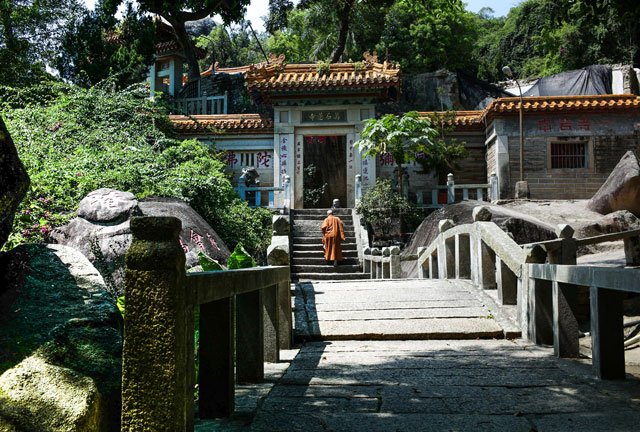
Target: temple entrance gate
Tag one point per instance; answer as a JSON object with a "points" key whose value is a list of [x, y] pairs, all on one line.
{"points": [[327, 154]]}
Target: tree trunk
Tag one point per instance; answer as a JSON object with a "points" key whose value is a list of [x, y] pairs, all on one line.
{"points": [[187, 47], [343, 31]]}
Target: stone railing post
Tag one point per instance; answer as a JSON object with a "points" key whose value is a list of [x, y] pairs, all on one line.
{"points": [[358, 188], [157, 358], [366, 261], [446, 251], [286, 182], [494, 190], [376, 273], [632, 251], [278, 254], [395, 263], [451, 191], [385, 264], [535, 306]]}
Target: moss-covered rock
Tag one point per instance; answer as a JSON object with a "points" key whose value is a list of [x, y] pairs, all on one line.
{"points": [[59, 335]]}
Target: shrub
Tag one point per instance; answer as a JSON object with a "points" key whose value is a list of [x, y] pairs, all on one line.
{"points": [[384, 208], [73, 141]]}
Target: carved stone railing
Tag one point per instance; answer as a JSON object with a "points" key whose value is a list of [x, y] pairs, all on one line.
{"points": [[382, 263], [541, 279], [158, 355]]}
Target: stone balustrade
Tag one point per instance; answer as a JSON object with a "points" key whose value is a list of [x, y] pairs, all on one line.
{"points": [[542, 280], [382, 263], [245, 318]]}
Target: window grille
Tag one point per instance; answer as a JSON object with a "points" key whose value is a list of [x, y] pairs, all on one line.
{"points": [[247, 159], [569, 155]]}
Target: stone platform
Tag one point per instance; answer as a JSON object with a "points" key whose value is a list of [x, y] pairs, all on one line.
{"points": [[463, 385], [399, 309]]}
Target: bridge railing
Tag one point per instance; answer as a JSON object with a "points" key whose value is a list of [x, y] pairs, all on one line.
{"points": [[245, 318], [541, 279]]}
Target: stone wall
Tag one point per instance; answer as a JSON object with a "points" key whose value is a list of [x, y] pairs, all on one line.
{"points": [[608, 136], [545, 183]]}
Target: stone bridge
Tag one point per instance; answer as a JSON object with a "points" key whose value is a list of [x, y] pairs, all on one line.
{"points": [[431, 354]]}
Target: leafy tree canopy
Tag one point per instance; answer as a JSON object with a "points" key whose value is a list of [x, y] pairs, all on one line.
{"points": [[96, 46], [408, 138], [30, 36], [428, 35], [178, 13]]}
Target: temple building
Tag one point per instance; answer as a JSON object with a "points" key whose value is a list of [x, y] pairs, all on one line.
{"points": [[281, 118]]}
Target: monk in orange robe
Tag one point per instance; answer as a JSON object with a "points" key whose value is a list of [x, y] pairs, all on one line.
{"points": [[332, 236]]}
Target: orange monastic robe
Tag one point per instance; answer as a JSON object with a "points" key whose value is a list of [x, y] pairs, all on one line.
{"points": [[332, 236]]}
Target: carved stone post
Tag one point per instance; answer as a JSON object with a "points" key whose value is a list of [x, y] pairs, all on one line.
{"points": [[157, 365]]}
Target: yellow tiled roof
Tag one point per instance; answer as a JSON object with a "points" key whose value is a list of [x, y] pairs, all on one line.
{"points": [[564, 103], [231, 124]]}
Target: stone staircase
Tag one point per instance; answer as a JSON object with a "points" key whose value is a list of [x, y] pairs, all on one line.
{"points": [[308, 256]]}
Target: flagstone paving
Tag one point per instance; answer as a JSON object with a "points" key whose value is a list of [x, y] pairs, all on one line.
{"points": [[425, 385]]}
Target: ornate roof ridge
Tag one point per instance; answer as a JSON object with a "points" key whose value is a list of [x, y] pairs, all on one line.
{"points": [[233, 124]]}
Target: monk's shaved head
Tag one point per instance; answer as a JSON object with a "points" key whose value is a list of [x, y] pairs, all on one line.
{"points": [[329, 211]]}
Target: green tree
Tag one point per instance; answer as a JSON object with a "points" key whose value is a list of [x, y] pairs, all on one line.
{"points": [[408, 138], [30, 34], [428, 35], [230, 46], [178, 13], [326, 30], [97, 46]]}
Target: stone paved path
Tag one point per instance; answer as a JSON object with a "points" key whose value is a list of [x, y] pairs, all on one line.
{"points": [[399, 309], [423, 385]]}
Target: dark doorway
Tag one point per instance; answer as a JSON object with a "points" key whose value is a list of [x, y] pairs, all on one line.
{"points": [[325, 170]]}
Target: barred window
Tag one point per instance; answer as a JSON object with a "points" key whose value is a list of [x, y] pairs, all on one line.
{"points": [[569, 154]]}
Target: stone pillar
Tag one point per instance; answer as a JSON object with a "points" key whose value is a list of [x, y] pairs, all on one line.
{"points": [[565, 324], [486, 266], [270, 324], [502, 164], [249, 337], [157, 358], [216, 347], [607, 337], [535, 254], [386, 263], [463, 256], [632, 251], [285, 319], [507, 284], [433, 266], [540, 311], [395, 263]]}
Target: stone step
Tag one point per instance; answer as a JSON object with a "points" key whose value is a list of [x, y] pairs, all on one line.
{"points": [[329, 276], [320, 212], [320, 261], [316, 227], [318, 234], [319, 218], [326, 268], [311, 240], [315, 247], [319, 253]]}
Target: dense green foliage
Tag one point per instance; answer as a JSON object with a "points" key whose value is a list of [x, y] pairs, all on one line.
{"points": [[30, 37], [408, 138], [383, 208], [80, 140], [229, 47], [97, 46], [538, 37]]}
